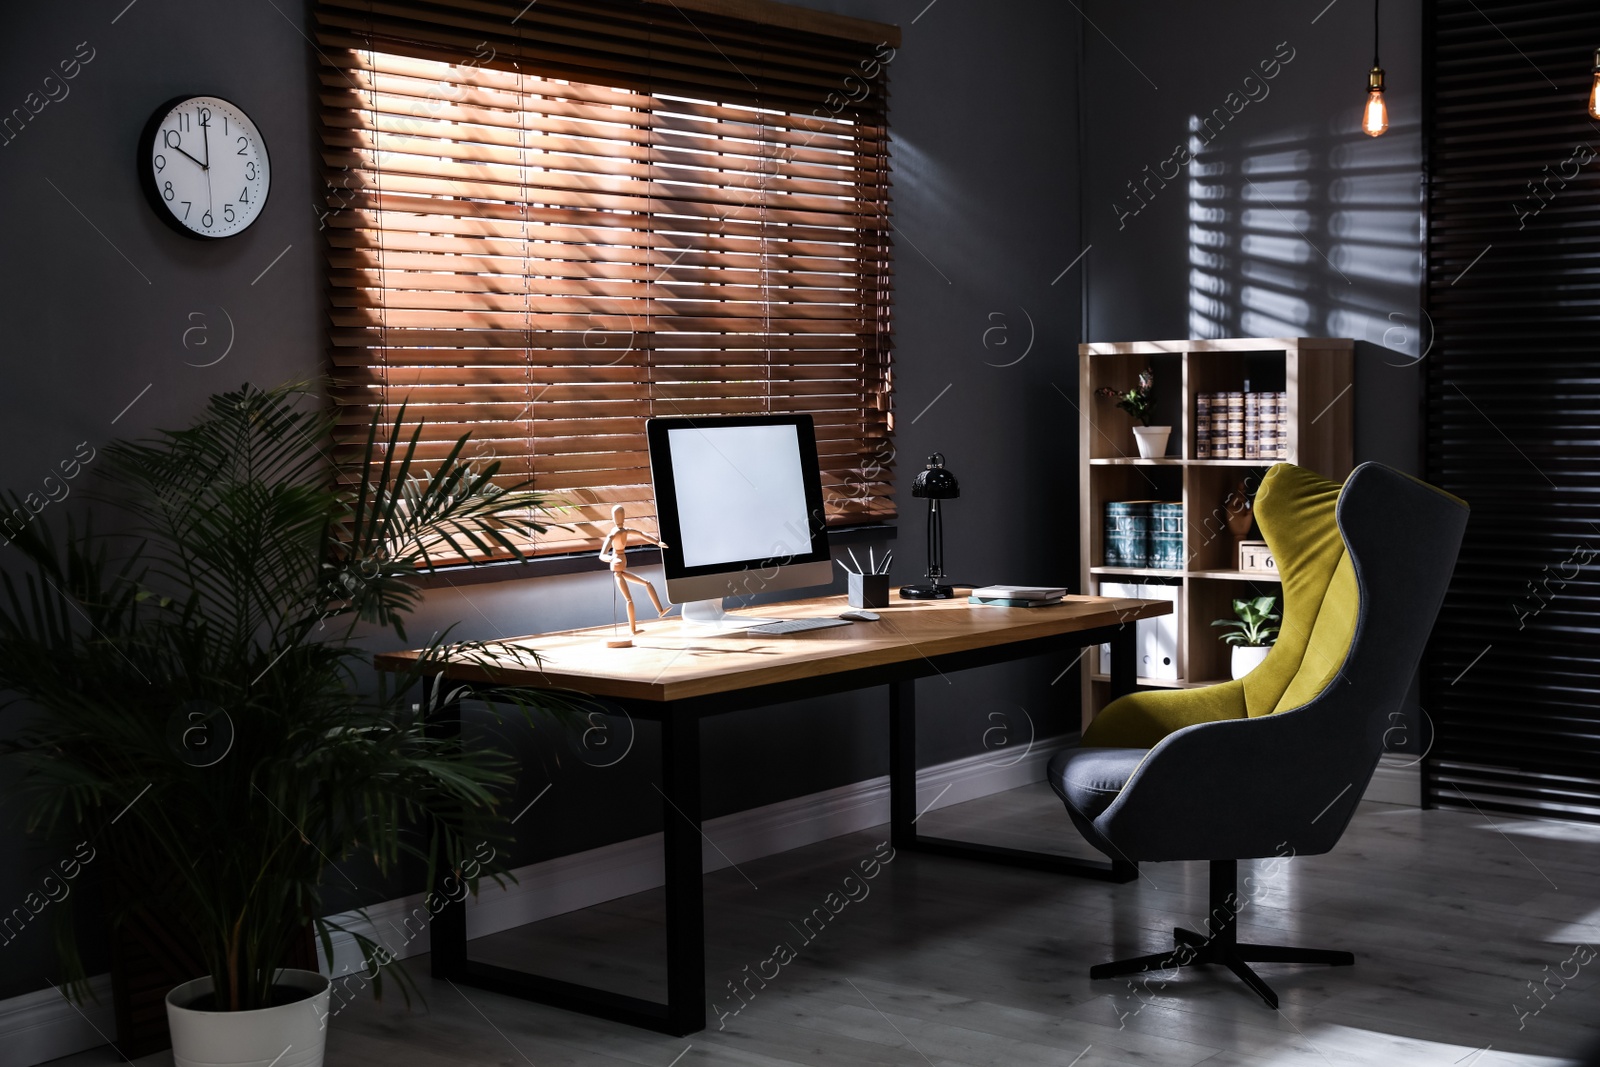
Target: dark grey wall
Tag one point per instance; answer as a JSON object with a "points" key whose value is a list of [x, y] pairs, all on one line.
{"points": [[1291, 221], [96, 296]]}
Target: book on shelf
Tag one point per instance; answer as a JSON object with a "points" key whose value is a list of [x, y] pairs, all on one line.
{"points": [[1166, 536], [1144, 534], [1127, 533], [1011, 602], [1240, 425], [1235, 425], [1252, 425], [1021, 592], [1281, 437]]}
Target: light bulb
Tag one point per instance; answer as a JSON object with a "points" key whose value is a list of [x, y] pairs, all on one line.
{"points": [[1594, 90], [1375, 116]]}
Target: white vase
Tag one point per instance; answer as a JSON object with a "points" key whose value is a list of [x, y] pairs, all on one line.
{"points": [[1247, 658], [289, 1035], [1152, 440]]}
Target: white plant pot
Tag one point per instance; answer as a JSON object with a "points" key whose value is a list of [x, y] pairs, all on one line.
{"points": [[1247, 658], [290, 1035], [1152, 440]]}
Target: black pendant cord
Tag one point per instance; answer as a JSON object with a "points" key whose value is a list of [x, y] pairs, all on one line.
{"points": [[1375, 62]]}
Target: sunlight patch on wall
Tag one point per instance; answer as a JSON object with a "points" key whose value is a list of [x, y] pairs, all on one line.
{"points": [[1276, 248]]}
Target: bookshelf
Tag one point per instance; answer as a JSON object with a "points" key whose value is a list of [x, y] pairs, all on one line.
{"points": [[1317, 376]]}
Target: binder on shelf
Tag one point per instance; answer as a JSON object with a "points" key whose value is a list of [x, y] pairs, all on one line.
{"points": [[1156, 640], [1127, 533]]}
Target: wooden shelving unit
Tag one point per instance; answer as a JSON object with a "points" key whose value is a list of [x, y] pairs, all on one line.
{"points": [[1316, 373]]}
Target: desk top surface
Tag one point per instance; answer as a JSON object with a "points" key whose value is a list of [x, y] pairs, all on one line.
{"points": [[668, 662]]}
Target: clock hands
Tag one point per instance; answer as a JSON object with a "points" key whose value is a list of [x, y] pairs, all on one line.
{"points": [[197, 163], [205, 128]]}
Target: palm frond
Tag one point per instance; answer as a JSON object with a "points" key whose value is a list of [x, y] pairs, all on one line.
{"points": [[233, 612]]}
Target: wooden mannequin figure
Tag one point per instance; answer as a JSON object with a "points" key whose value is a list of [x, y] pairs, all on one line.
{"points": [[615, 552]]}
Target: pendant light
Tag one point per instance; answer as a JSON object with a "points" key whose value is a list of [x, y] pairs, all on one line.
{"points": [[1594, 90], [1375, 116]]}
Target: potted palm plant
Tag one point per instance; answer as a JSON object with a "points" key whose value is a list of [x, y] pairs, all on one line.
{"points": [[1251, 632], [194, 696], [1138, 401]]}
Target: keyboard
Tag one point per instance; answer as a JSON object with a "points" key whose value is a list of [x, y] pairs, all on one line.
{"points": [[796, 626]]}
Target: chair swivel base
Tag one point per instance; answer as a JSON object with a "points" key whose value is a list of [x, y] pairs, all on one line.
{"points": [[1223, 946]]}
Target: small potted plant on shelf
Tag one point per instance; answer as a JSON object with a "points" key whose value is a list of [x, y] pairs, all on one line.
{"points": [[1252, 632], [194, 697], [1138, 401]]}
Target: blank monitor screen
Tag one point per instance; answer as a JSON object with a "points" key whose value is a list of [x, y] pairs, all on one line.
{"points": [[738, 496], [740, 492]]}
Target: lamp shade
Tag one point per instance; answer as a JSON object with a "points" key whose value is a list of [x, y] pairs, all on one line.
{"points": [[935, 482]]}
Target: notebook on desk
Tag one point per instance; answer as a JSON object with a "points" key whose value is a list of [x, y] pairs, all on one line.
{"points": [[1019, 592]]}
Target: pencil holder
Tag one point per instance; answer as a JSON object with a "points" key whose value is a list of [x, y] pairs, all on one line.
{"points": [[869, 590]]}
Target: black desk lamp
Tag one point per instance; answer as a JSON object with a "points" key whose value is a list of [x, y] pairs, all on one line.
{"points": [[935, 484]]}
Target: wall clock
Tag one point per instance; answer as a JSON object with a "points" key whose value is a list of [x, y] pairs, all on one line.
{"points": [[203, 164]]}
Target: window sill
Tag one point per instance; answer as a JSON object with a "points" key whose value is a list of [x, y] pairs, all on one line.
{"points": [[586, 562]]}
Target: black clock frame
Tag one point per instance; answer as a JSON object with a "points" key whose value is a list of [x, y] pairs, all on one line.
{"points": [[147, 179]]}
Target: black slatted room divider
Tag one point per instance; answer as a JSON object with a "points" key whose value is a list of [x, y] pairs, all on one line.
{"points": [[1512, 679]]}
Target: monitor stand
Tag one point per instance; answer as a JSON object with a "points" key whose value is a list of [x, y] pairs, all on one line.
{"points": [[710, 615]]}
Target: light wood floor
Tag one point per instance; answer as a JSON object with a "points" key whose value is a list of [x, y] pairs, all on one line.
{"points": [[948, 962]]}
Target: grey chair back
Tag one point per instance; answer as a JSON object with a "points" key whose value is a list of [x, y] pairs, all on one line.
{"points": [[1287, 783]]}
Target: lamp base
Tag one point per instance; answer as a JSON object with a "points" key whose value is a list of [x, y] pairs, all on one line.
{"points": [[927, 592]]}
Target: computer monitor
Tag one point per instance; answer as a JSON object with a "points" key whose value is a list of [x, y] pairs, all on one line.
{"points": [[739, 500]]}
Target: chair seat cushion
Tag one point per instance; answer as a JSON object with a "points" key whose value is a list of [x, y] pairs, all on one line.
{"points": [[1089, 779]]}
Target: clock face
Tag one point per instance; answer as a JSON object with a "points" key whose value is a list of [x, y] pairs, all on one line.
{"points": [[205, 166]]}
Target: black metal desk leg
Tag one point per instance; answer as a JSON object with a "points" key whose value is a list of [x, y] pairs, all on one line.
{"points": [[903, 813], [448, 931], [903, 764], [1124, 660], [686, 942]]}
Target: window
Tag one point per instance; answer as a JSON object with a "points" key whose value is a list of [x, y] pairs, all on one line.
{"points": [[546, 229]]}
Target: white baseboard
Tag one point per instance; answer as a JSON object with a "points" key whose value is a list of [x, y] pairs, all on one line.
{"points": [[1398, 780], [41, 1026]]}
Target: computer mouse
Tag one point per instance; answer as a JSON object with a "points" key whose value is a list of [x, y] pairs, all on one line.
{"points": [[860, 616]]}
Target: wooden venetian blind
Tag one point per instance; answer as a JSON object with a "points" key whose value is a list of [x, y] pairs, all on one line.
{"points": [[549, 223]]}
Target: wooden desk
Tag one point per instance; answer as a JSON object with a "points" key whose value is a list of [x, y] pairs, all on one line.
{"points": [[676, 678]]}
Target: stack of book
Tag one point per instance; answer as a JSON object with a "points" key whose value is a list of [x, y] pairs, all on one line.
{"points": [[1144, 534], [1241, 425], [1017, 596]]}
